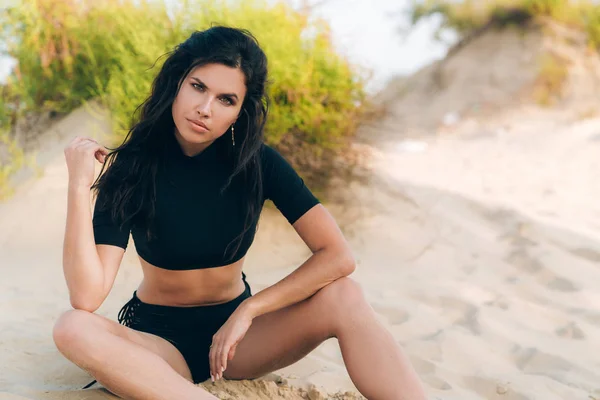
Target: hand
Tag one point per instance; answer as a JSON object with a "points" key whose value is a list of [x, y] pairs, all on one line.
{"points": [[225, 341], [80, 154]]}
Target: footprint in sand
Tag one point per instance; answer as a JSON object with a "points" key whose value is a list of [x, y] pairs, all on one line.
{"points": [[525, 262], [393, 314], [461, 313], [534, 361], [570, 331], [562, 285], [436, 382], [587, 254], [489, 388]]}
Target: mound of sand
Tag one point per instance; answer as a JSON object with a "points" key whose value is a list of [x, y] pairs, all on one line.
{"points": [[494, 71]]}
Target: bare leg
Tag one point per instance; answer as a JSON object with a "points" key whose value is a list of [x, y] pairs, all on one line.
{"points": [[131, 364], [375, 362]]}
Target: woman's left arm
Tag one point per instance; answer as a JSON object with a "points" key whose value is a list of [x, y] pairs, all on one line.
{"points": [[331, 260]]}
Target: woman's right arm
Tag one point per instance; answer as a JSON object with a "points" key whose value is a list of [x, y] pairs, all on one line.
{"points": [[89, 269]]}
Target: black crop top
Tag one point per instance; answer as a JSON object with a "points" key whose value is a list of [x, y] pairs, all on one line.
{"points": [[194, 222]]}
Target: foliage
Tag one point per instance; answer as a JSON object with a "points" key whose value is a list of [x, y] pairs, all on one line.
{"points": [[552, 76], [466, 16], [71, 51]]}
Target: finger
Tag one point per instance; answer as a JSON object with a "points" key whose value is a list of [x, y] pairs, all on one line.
{"points": [[100, 157], [210, 362], [84, 143], [101, 153], [216, 363], [222, 356], [92, 146], [79, 139], [89, 149], [223, 359], [212, 358], [75, 143], [79, 143], [231, 353], [90, 140]]}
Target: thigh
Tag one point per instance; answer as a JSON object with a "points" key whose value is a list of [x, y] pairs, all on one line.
{"points": [[75, 331], [280, 338]]}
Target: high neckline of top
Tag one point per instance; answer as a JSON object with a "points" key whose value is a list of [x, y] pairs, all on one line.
{"points": [[206, 154]]}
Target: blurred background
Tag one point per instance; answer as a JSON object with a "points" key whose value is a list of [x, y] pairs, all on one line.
{"points": [[365, 32], [59, 55], [456, 143]]}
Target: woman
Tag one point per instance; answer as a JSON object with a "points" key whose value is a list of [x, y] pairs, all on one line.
{"points": [[189, 183]]}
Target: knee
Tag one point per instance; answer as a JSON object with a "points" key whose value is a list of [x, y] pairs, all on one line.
{"points": [[341, 296], [71, 328]]}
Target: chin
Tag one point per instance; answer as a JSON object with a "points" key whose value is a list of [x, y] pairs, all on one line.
{"points": [[193, 137]]}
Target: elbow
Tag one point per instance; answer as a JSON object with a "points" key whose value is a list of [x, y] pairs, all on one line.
{"points": [[84, 306], [84, 303], [347, 263]]}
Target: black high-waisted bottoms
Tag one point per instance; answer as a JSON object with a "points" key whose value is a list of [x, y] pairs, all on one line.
{"points": [[189, 329]]}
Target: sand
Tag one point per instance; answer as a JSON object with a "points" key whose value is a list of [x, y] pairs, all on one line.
{"points": [[478, 249]]}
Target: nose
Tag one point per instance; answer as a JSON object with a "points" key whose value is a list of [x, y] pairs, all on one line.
{"points": [[204, 108]]}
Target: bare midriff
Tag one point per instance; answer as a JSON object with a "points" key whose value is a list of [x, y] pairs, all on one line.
{"points": [[188, 288]]}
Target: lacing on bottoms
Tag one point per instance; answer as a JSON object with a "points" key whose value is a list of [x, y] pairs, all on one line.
{"points": [[125, 317], [126, 313], [189, 329]]}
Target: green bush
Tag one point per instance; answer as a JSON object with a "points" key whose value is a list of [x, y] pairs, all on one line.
{"points": [[467, 16], [12, 159], [69, 52], [4, 107], [551, 79]]}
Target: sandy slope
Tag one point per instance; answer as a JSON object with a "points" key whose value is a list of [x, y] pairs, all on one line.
{"points": [[489, 303]]}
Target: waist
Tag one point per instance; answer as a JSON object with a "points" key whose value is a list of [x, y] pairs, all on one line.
{"points": [[177, 318], [189, 294], [190, 288], [234, 301]]}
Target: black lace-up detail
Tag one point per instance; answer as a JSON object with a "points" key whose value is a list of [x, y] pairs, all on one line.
{"points": [[188, 329], [126, 315]]}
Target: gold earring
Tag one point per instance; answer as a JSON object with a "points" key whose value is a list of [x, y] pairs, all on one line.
{"points": [[232, 138]]}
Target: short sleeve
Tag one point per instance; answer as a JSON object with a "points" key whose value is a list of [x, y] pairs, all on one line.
{"points": [[284, 187], [106, 231]]}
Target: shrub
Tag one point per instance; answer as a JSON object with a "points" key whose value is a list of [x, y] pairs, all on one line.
{"points": [[467, 16], [69, 52], [12, 159], [552, 76]]}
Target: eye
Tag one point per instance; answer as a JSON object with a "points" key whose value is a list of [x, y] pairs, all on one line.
{"points": [[198, 86], [228, 101]]}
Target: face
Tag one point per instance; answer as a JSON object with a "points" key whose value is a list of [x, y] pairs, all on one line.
{"points": [[212, 95]]}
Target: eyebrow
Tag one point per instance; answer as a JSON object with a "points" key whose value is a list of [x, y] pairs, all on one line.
{"points": [[225, 94]]}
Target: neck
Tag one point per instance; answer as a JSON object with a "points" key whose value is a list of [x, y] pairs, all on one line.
{"points": [[191, 149]]}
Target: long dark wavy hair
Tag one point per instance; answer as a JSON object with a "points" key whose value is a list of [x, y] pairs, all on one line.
{"points": [[128, 185]]}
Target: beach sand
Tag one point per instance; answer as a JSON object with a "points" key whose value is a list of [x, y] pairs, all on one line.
{"points": [[478, 250]]}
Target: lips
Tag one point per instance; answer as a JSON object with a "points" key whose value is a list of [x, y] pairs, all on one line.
{"points": [[198, 126]]}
